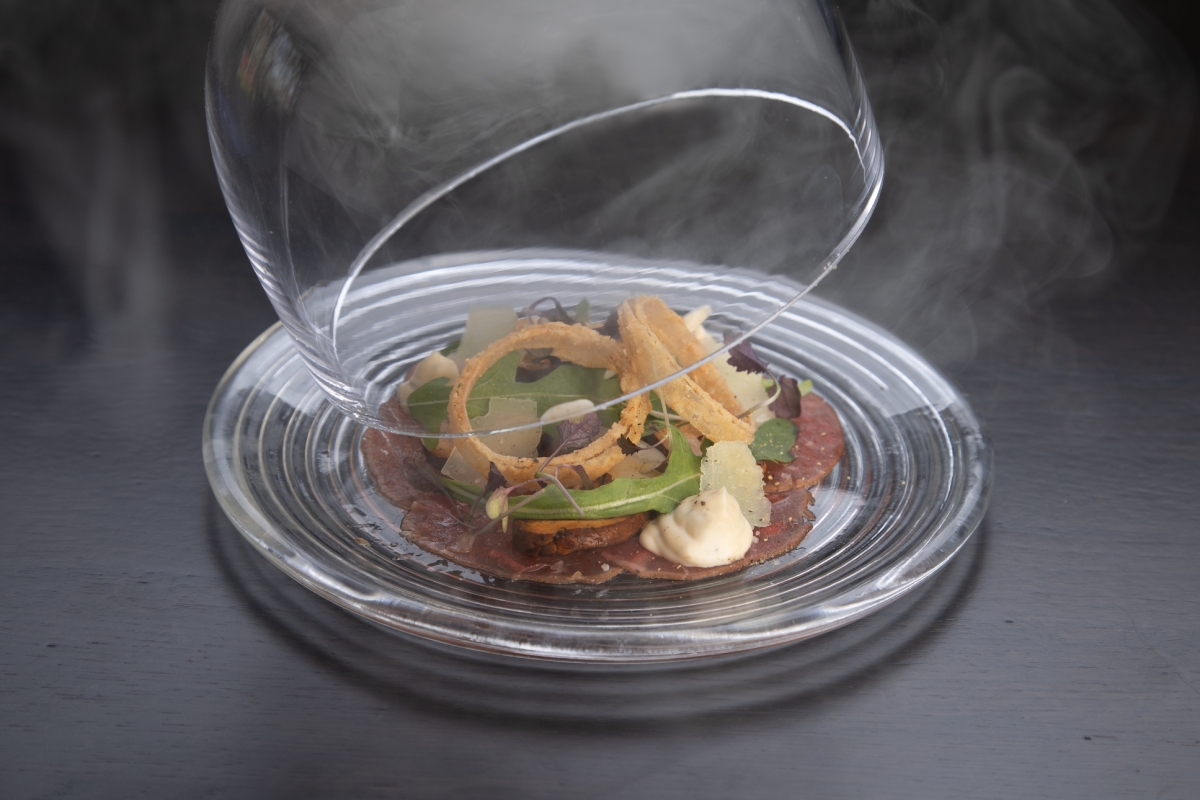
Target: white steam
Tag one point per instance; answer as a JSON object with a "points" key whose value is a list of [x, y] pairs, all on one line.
{"points": [[1027, 144]]}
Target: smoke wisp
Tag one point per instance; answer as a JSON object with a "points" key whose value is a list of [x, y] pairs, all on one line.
{"points": [[1028, 146]]}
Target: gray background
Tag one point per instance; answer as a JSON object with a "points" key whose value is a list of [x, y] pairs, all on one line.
{"points": [[146, 651]]}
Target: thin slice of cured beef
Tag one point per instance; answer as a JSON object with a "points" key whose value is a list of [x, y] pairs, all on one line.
{"points": [[819, 446], [791, 520], [397, 465], [435, 522]]}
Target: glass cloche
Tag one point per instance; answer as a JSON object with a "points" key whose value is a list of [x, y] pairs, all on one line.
{"points": [[396, 168], [546, 382]]}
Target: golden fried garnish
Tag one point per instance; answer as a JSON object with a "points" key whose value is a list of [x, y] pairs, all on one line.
{"points": [[651, 360], [573, 343], [673, 332]]}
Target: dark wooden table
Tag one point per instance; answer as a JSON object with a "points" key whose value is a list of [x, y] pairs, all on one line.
{"points": [[145, 650]]}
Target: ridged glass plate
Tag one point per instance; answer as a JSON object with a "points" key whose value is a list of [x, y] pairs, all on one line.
{"points": [[911, 488]]}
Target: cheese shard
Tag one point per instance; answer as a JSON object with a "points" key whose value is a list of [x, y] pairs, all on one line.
{"points": [[705, 530], [706, 339], [434, 365], [485, 324], [457, 468], [509, 412], [747, 387], [731, 465], [695, 318]]}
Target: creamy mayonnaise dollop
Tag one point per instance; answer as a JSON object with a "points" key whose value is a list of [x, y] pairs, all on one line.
{"points": [[706, 530]]}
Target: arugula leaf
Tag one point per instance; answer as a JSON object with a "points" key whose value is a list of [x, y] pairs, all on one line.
{"points": [[627, 495], [427, 404], [773, 441], [623, 496]]}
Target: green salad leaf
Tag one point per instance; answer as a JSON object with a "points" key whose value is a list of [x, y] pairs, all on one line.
{"points": [[583, 312], [616, 499], [773, 441], [427, 405]]}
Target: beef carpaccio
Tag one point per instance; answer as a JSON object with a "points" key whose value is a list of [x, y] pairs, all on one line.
{"points": [[435, 522], [819, 446]]}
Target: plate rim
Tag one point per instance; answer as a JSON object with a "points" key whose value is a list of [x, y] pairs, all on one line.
{"points": [[272, 543]]}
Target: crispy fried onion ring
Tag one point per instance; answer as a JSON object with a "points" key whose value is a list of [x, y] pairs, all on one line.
{"points": [[657, 343], [573, 343]]}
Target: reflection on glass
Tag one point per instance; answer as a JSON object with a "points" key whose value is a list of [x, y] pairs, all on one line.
{"points": [[390, 165]]}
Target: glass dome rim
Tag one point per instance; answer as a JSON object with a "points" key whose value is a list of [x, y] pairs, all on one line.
{"points": [[870, 157]]}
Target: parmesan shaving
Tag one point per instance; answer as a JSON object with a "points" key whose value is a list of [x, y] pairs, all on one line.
{"points": [[457, 468], [509, 412], [731, 465], [485, 324]]}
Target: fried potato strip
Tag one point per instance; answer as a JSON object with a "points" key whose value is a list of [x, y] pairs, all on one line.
{"points": [[673, 333], [644, 323]]}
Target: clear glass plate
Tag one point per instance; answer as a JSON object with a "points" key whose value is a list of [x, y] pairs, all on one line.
{"points": [[285, 466]]}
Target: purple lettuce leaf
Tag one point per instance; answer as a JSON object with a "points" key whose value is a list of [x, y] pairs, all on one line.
{"points": [[787, 405], [743, 358], [579, 432]]}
